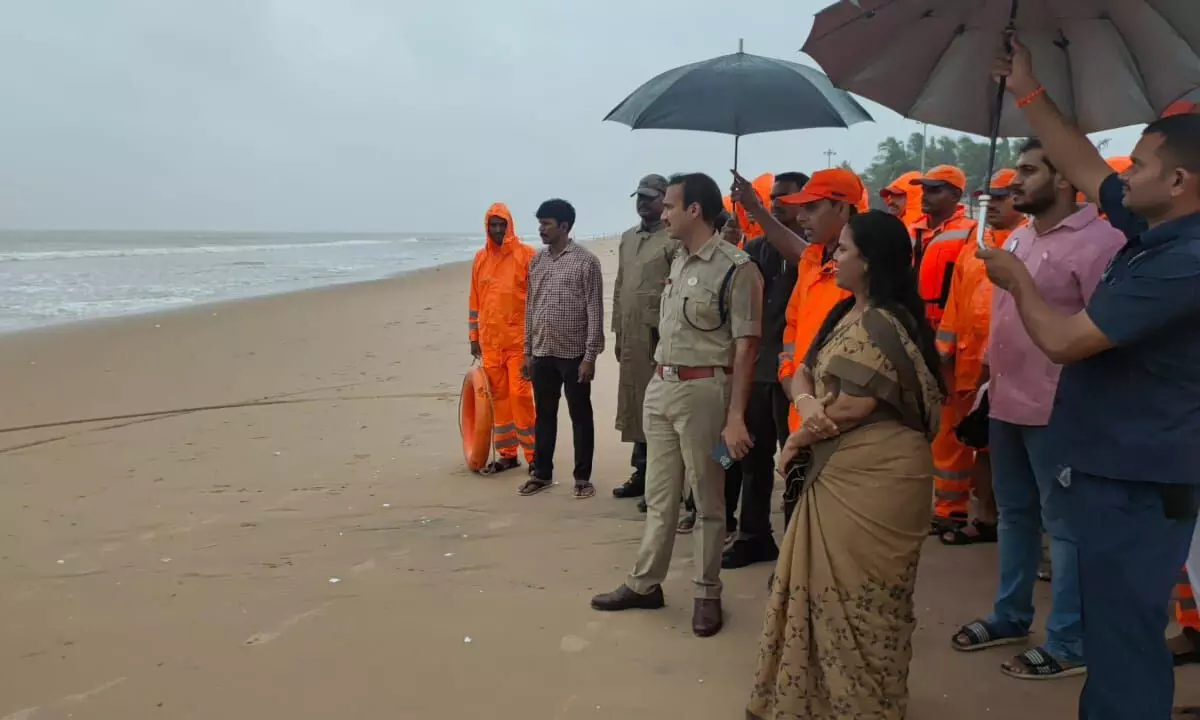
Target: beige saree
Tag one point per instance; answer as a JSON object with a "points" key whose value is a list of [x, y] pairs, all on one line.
{"points": [[837, 635]]}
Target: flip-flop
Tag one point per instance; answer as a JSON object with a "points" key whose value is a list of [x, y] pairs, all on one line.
{"points": [[533, 486], [500, 466]]}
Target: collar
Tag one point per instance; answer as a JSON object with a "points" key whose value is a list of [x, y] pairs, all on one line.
{"points": [[1188, 225], [706, 250], [650, 229], [1076, 221], [566, 249], [960, 213]]}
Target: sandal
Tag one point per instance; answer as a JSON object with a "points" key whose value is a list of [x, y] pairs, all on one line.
{"points": [[940, 525], [1037, 664], [533, 486], [983, 533], [980, 635], [584, 490], [500, 466]]}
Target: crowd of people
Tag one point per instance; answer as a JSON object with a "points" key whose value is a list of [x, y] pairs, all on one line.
{"points": [[888, 369]]}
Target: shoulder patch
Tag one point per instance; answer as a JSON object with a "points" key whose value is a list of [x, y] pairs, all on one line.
{"points": [[736, 255]]}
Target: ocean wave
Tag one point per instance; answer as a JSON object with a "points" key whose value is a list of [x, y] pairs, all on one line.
{"points": [[186, 250]]}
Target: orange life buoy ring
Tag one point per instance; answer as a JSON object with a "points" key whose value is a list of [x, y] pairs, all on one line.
{"points": [[475, 419]]}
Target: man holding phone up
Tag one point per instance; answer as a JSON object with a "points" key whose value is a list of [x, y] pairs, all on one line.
{"points": [[709, 324]]}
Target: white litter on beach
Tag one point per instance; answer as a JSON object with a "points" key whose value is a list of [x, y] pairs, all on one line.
{"points": [[61, 562], [334, 581], [164, 560], [448, 555], [387, 505], [467, 639], [277, 453]]}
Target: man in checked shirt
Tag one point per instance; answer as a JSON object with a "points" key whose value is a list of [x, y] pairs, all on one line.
{"points": [[564, 334]]}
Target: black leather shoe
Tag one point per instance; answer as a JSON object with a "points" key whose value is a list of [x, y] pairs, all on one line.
{"points": [[745, 552], [624, 598], [707, 618], [642, 505], [635, 486]]}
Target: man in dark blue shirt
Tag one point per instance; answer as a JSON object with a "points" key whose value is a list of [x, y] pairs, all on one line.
{"points": [[1127, 413]]}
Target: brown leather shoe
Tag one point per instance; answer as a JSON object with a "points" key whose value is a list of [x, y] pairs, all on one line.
{"points": [[706, 617], [624, 598]]}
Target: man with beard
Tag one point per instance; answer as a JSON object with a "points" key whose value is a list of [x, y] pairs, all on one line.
{"points": [[767, 410], [644, 260], [1065, 251]]}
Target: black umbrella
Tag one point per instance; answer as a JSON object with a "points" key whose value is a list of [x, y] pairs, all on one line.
{"points": [[739, 94]]}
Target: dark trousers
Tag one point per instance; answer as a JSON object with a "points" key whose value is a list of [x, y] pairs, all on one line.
{"points": [[1130, 551], [553, 378], [638, 460], [766, 419]]}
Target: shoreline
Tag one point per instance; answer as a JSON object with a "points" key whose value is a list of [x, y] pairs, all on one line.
{"points": [[172, 310]]}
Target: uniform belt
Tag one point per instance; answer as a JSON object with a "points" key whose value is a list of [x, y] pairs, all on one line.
{"points": [[675, 372]]}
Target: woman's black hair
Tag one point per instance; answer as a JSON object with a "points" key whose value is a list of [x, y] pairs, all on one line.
{"points": [[885, 246]]}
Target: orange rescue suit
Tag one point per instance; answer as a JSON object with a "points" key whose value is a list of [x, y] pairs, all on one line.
{"points": [[962, 337], [496, 320], [938, 249], [815, 294]]}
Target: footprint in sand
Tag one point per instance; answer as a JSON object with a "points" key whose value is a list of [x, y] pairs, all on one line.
{"points": [[577, 644]]}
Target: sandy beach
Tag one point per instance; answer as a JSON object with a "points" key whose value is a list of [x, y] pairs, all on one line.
{"points": [[310, 545]]}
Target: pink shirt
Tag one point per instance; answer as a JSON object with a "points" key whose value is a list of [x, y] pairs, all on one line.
{"points": [[1066, 264]]}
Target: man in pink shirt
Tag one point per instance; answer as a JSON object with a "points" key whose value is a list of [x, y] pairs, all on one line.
{"points": [[1066, 250]]}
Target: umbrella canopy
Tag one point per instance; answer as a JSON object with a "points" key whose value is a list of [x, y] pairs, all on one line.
{"points": [[1106, 63], [739, 94]]}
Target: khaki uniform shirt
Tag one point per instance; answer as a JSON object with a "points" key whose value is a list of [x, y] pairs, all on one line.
{"points": [[692, 333]]}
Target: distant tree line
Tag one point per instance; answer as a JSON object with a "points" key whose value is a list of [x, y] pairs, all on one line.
{"points": [[894, 157]]}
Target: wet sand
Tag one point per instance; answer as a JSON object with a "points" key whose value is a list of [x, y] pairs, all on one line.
{"points": [[311, 547]]}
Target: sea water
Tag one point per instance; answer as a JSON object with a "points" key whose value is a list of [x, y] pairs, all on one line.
{"points": [[55, 277]]}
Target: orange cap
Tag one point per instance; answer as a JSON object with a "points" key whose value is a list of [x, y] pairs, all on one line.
{"points": [[1000, 181], [1181, 107], [837, 184], [943, 175], [900, 185]]}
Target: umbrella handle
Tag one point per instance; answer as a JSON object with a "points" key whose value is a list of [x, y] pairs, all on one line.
{"points": [[981, 228]]}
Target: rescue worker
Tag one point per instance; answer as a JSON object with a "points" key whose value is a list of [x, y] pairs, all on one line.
{"points": [[644, 259], [496, 330], [766, 415], [939, 235], [939, 238], [1127, 408], [1185, 647], [711, 320], [903, 199], [962, 340]]}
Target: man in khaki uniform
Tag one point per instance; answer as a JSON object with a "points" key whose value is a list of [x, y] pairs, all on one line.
{"points": [[644, 261], [710, 323]]}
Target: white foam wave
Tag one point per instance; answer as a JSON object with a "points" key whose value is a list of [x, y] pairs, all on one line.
{"points": [[184, 250]]}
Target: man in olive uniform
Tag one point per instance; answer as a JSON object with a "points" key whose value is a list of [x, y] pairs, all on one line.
{"points": [[644, 261], [710, 323]]}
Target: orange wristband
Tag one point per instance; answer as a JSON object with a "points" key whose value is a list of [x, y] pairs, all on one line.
{"points": [[1028, 99]]}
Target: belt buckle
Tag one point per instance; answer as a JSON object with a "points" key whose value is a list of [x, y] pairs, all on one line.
{"points": [[670, 373]]}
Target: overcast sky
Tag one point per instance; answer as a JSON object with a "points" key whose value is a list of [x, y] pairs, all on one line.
{"points": [[367, 115]]}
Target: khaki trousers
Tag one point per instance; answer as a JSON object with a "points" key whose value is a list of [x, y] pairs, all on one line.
{"points": [[683, 422]]}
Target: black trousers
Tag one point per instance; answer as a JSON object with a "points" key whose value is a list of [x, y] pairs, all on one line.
{"points": [[766, 419], [553, 378], [638, 460]]}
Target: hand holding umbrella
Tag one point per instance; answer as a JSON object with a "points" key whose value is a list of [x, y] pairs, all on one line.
{"points": [[743, 193]]}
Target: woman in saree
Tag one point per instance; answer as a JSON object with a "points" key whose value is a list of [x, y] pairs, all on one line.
{"points": [[837, 637]]}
